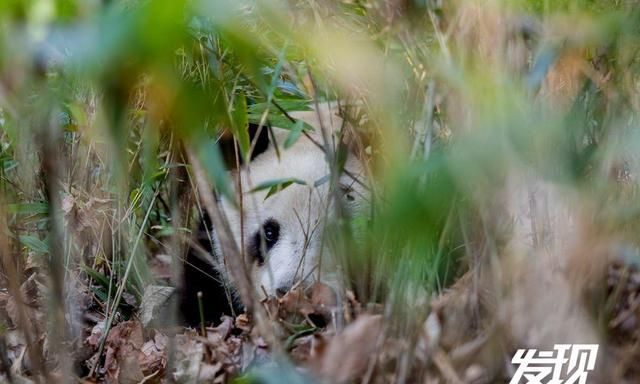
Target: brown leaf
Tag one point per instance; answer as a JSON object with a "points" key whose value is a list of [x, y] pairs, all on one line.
{"points": [[68, 201], [208, 372], [188, 358], [323, 299], [294, 302], [154, 304], [129, 370], [122, 346], [96, 334], [153, 356], [243, 323], [29, 301], [301, 349], [319, 299], [219, 333], [348, 354]]}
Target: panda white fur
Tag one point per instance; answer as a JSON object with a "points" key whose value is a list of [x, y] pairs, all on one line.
{"points": [[282, 235]]}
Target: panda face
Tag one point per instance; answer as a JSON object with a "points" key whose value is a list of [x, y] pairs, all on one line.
{"points": [[282, 235]]}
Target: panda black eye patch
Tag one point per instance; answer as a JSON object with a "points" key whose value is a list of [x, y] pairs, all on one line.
{"points": [[263, 240]]}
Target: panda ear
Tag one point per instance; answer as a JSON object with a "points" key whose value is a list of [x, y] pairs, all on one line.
{"points": [[259, 137]]}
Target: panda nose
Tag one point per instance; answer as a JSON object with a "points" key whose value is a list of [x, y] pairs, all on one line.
{"points": [[282, 290]]}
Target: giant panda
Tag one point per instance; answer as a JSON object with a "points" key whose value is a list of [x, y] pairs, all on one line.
{"points": [[282, 235]]}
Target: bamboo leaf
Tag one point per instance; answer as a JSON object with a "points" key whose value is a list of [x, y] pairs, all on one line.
{"points": [[39, 208], [275, 186], [294, 134], [34, 244]]}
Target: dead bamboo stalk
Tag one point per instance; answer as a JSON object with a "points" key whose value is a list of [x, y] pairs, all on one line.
{"points": [[230, 250]]}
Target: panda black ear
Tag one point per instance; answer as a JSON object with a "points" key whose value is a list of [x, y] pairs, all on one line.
{"points": [[260, 137], [259, 140]]}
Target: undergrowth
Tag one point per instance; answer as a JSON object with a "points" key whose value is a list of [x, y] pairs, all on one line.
{"points": [[477, 121]]}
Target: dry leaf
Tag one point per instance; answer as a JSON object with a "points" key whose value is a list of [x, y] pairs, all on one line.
{"points": [[96, 334], [189, 354], [348, 354], [154, 300], [153, 356]]}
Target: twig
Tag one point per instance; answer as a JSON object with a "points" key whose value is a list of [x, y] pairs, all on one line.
{"points": [[51, 179], [230, 250], [203, 329]]}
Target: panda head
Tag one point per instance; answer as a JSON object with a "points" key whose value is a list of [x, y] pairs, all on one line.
{"points": [[282, 235]]}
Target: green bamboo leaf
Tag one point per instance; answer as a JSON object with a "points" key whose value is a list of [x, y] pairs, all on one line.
{"points": [[100, 293], [294, 134], [39, 208], [289, 105], [34, 244], [275, 186], [8, 164], [97, 276], [279, 121]]}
